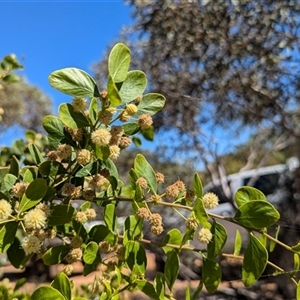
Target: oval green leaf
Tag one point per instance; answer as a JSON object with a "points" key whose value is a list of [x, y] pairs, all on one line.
{"points": [[256, 214], [35, 192], [248, 193], [200, 213], [62, 283], [174, 237], [72, 118], [255, 261], [133, 86], [218, 240], [211, 274], [55, 255], [197, 186], [113, 93], [61, 214], [144, 169], [47, 293], [75, 82], [118, 62], [91, 253], [171, 269], [151, 104]]}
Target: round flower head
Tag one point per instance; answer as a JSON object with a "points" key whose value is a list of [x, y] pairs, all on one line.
{"points": [[68, 269], [35, 219], [124, 116], [101, 137], [157, 230], [155, 220], [131, 109], [191, 223], [210, 200], [74, 255], [125, 142], [105, 117], [19, 189], [31, 244], [81, 217], [98, 181], [83, 157], [114, 152], [160, 178], [143, 213], [204, 235], [79, 104], [172, 191], [90, 213], [145, 121], [5, 210], [64, 151], [142, 182]]}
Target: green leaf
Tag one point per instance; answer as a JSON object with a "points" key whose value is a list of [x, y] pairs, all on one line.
{"points": [[134, 227], [62, 283], [237, 243], [89, 169], [218, 240], [72, 118], [47, 293], [174, 237], [51, 168], [159, 285], [29, 175], [75, 82], [135, 255], [255, 261], [188, 293], [14, 166], [80, 230], [91, 253], [7, 235], [272, 243], [197, 186], [144, 169], [118, 62], [9, 181], [113, 93], [111, 167], [296, 262], [248, 193], [137, 141], [60, 214], [298, 291], [256, 214], [101, 233], [171, 269], [34, 193], [147, 288], [93, 110], [197, 291], [57, 134], [151, 104], [200, 213], [148, 133], [35, 153], [133, 86], [55, 255], [20, 283], [131, 128], [211, 274], [17, 255], [110, 218]]}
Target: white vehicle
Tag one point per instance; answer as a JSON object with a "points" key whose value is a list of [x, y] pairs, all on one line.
{"points": [[266, 179]]}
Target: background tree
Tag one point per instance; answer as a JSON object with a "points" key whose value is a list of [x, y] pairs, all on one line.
{"points": [[21, 103], [229, 70], [230, 73]]}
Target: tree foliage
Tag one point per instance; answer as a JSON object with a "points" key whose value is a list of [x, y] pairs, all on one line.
{"points": [[22, 104], [223, 66]]}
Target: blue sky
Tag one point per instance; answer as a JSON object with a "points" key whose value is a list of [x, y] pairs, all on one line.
{"points": [[50, 35]]}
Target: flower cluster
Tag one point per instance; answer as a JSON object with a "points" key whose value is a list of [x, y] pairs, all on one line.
{"points": [[204, 235], [19, 189], [155, 221], [172, 191], [5, 210]]}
